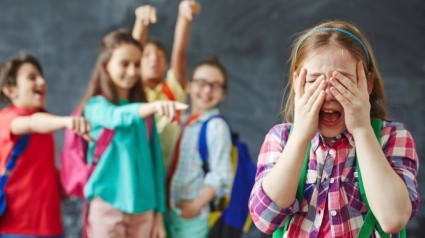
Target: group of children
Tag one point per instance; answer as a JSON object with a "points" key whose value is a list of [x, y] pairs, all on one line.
{"points": [[151, 172]]}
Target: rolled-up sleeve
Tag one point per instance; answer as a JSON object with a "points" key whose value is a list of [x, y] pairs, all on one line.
{"points": [[400, 150], [219, 140], [268, 216]]}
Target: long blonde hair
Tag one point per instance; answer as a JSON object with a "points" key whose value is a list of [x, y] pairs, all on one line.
{"points": [[307, 43]]}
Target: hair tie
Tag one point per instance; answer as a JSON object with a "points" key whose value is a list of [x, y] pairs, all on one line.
{"points": [[335, 29]]}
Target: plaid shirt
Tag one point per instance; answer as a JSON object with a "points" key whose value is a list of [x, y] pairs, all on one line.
{"points": [[331, 180], [189, 178]]}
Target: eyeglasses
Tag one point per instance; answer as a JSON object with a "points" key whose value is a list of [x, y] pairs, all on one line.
{"points": [[215, 86]]}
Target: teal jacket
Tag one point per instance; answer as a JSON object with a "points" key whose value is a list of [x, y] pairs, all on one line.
{"points": [[130, 173]]}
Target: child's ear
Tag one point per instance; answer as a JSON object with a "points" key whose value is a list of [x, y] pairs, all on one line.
{"points": [[369, 83], [9, 90]]}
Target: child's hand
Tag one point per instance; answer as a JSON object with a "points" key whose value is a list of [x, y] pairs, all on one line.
{"points": [[354, 98], [158, 228], [189, 8], [190, 209], [81, 126], [308, 101], [146, 14], [169, 109]]}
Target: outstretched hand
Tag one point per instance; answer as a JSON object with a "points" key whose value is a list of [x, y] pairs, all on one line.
{"points": [[189, 8], [354, 98], [81, 126], [146, 14], [308, 101], [170, 109]]}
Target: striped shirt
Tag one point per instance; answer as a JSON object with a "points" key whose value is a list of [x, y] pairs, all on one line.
{"points": [[331, 181], [189, 179]]}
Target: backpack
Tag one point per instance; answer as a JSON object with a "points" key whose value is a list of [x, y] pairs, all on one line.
{"points": [[369, 222], [75, 171], [17, 150], [231, 218]]}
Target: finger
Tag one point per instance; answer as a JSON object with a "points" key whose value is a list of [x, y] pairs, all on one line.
{"points": [[301, 81], [317, 104], [180, 106], [348, 83], [171, 111], [318, 86], [152, 15], [82, 125], [340, 98], [341, 89], [313, 87], [87, 137], [88, 125], [361, 74]]}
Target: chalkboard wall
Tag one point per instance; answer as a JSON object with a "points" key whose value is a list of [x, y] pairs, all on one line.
{"points": [[252, 38]]}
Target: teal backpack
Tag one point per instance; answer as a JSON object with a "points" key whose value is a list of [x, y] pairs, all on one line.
{"points": [[369, 222]]}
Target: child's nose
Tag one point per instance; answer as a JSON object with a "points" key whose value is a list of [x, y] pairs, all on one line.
{"points": [[329, 95], [40, 80]]}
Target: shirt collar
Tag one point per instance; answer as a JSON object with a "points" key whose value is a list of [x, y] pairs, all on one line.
{"points": [[318, 139], [204, 116]]}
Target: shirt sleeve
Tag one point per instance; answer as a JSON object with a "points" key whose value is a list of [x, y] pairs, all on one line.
{"points": [[159, 168], [99, 111], [219, 143], [400, 150], [172, 82], [267, 215]]}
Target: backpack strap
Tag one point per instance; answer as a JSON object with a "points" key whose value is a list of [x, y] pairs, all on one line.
{"points": [[17, 150], [202, 143], [167, 91], [203, 149]]}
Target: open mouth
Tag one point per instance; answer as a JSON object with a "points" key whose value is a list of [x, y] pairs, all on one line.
{"points": [[39, 92], [329, 117]]}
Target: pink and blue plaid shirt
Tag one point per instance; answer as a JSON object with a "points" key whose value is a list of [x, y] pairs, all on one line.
{"points": [[331, 181]]}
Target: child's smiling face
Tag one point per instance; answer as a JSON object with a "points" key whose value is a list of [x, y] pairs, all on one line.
{"points": [[30, 89], [324, 62], [206, 88]]}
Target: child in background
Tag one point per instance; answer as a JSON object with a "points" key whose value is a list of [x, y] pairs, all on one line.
{"points": [[32, 191], [154, 66], [191, 190], [126, 191], [335, 90]]}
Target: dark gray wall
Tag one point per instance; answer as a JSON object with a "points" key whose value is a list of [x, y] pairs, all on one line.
{"points": [[253, 40]]}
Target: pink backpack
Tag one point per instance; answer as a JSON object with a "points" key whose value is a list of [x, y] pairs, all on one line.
{"points": [[74, 168]]}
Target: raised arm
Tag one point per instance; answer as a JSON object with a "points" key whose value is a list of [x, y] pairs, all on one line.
{"points": [[43, 122], [187, 10], [145, 15]]}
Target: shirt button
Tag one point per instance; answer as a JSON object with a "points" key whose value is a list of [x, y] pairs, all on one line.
{"points": [[332, 180], [332, 152], [356, 175], [338, 136], [333, 213]]}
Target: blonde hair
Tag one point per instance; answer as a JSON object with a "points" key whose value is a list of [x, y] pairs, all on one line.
{"points": [[309, 42]]}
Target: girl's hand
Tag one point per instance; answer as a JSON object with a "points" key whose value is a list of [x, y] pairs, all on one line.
{"points": [[81, 126], [308, 101], [354, 98], [189, 8], [146, 14], [190, 209], [169, 109], [158, 228]]}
